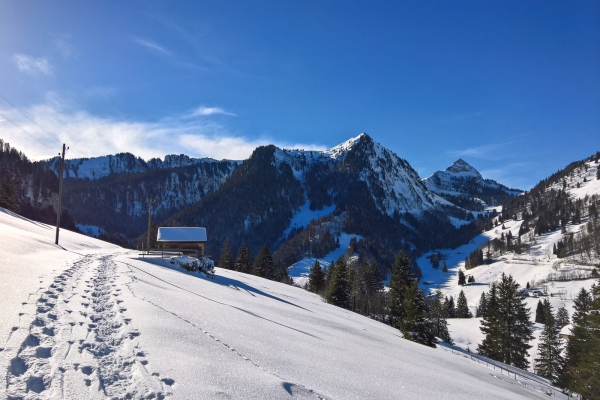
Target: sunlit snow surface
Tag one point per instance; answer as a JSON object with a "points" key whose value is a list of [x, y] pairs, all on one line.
{"points": [[90, 320]]}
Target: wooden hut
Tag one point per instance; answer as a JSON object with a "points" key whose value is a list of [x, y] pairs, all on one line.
{"points": [[186, 240]]}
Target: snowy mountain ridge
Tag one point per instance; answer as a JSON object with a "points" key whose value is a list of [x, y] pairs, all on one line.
{"points": [[462, 179], [124, 163]]}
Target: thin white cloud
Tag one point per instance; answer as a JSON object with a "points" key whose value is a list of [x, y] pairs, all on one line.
{"points": [[485, 151], [63, 47], [205, 111], [89, 136], [151, 45], [32, 65]]}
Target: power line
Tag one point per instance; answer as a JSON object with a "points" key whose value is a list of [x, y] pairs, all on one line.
{"points": [[29, 134], [25, 115]]}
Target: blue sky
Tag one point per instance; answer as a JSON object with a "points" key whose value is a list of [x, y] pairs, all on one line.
{"points": [[512, 87]]}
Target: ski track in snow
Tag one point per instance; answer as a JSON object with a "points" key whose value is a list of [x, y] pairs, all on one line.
{"points": [[79, 344]]}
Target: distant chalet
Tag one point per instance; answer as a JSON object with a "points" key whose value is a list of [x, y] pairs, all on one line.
{"points": [[186, 239]]}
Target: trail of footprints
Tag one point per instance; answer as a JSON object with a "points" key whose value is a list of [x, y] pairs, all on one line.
{"points": [[80, 344]]}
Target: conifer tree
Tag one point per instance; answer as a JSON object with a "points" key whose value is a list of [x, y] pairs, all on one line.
{"points": [[243, 262], [506, 325], [264, 265], [449, 307], [437, 316], [400, 281], [339, 290], [586, 374], [226, 259], [414, 326], [9, 194], [549, 361], [444, 267], [562, 317], [481, 308], [578, 340], [539, 313], [316, 279], [461, 277], [462, 307]]}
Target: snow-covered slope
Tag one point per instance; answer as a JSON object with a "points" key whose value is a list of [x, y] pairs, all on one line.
{"points": [[461, 178], [88, 320], [536, 266]]}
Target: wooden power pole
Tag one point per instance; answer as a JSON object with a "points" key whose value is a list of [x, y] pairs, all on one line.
{"points": [[59, 210], [150, 203]]}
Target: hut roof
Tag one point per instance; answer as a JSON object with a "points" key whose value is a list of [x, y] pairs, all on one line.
{"points": [[194, 234]]}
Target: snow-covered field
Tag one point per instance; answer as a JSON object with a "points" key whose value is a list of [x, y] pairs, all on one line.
{"points": [[88, 319]]}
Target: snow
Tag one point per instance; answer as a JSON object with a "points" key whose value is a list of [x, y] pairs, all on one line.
{"points": [[88, 319], [300, 270], [534, 267], [181, 234], [304, 215]]}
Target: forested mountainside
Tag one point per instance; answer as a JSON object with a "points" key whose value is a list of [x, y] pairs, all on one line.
{"points": [[460, 183], [374, 194], [569, 196], [29, 189], [116, 201]]}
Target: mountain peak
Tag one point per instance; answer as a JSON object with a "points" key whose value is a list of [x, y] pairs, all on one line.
{"points": [[348, 145], [463, 168]]}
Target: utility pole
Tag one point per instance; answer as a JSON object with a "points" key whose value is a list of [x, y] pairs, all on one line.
{"points": [[59, 210], [150, 203]]}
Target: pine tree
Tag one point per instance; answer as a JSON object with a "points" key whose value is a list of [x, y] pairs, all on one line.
{"points": [[549, 361], [481, 308], [586, 373], [562, 317], [316, 279], [400, 281], [449, 307], [339, 290], [264, 265], [226, 259], [243, 262], [539, 313], [461, 277], [462, 307], [444, 267], [506, 325], [414, 326], [437, 316], [9, 194], [578, 340]]}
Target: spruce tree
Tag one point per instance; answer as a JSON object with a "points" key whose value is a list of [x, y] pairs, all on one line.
{"points": [[444, 267], [339, 290], [539, 313], [400, 281], [9, 194], [462, 307], [449, 307], [506, 325], [587, 371], [549, 361], [316, 279], [226, 259], [578, 340], [562, 317], [264, 265], [481, 308], [414, 326], [243, 262], [461, 277], [437, 316]]}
